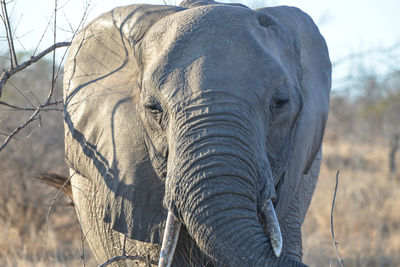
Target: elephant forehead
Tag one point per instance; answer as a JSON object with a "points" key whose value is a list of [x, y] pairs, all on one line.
{"points": [[215, 47], [200, 21]]}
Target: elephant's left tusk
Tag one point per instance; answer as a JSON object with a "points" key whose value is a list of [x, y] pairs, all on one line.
{"points": [[273, 229], [171, 234]]}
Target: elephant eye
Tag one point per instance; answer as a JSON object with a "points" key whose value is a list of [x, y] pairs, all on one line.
{"points": [[280, 103], [153, 106], [154, 110]]}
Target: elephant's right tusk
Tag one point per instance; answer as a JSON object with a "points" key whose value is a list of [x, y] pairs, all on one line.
{"points": [[273, 229], [171, 234]]}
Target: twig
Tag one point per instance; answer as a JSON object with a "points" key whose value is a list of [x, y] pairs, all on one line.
{"points": [[7, 74], [29, 88], [10, 38], [31, 109], [19, 128], [124, 256], [128, 257], [364, 54], [6, 134], [21, 93], [49, 211], [53, 73], [43, 34], [333, 233], [7, 34]]}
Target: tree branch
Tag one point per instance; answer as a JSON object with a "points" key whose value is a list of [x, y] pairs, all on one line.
{"points": [[333, 233], [127, 257], [8, 73], [10, 38], [30, 109], [19, 128], [363, 54], [53, 73]]}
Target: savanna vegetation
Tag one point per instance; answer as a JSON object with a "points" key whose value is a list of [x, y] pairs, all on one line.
{"points": [[38, 226]]}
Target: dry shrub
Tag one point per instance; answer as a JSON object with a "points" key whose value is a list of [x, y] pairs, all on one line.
{"points": [[24, 202], [367, 214]]}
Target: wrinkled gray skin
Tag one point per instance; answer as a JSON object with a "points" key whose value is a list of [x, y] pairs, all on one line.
{"points": [[206, 110]]}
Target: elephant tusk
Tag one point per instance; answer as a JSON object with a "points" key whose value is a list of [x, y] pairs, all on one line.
{"points": [[171, 234], [273, 230]]}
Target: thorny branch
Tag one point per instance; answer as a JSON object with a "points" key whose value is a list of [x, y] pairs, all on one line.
{"points": [[332, 230]]}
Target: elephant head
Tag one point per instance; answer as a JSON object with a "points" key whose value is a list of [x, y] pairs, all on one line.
{"points": [[209, 112]]}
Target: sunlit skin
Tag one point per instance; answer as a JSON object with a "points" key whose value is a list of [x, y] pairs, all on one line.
{"points": [[211, 114]]}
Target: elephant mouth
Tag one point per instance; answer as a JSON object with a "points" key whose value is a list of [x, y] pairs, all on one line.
{"points": [[267, 217], [159, 162]]}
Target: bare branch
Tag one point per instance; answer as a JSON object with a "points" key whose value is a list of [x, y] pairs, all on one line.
{"points": [[9, 33], [41, 38], [6, 134], [29, 88], [19, 128], [364, 54], [5, 22], [65, 184], [332, 230], [7, 74], [31, 109], [53, 73], [124, 256], [128, 257], [22, 94]]}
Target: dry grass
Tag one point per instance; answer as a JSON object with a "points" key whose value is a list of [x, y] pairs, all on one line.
{"points": [[367, 211], [23, 229]]}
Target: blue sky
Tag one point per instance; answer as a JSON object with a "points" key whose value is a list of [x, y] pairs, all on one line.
{"points": [[349, 26]]}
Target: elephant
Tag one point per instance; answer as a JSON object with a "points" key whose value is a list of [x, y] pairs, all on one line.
{"points": [[194, 132]]}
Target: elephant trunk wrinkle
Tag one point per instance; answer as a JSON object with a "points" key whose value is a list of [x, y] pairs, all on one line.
{"points": [[216, 206], [201, 141], [215, 177]]}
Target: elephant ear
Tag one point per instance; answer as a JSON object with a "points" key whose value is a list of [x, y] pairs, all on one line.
{"points": [[314, 76], [104, 139]]}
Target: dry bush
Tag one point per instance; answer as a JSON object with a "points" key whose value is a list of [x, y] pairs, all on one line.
{"points": [[24, 202], [358, 142], [367, 214]]}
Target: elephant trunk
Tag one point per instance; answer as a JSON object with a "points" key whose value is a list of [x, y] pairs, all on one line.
{"points": [[214, 185]]}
